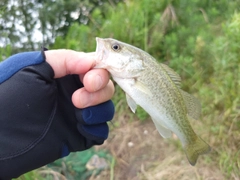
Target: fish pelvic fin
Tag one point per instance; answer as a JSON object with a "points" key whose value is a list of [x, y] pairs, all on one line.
{"points": [[131, 103], [195, 149]]}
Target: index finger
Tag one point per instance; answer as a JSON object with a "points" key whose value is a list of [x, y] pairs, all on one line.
{"points": [[66, 62]]}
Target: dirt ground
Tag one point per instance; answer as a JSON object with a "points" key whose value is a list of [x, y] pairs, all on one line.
{"points": [[142, 154]]}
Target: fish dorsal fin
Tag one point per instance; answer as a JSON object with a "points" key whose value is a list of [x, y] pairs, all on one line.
{"points": [[131, 103], [192, 104], [163, 131], [172, 74]]}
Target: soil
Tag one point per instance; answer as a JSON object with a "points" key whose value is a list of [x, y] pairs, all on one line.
{"points": [[141, 153]]}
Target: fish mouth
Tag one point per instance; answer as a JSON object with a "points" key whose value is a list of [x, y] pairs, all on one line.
{"points": [[98, 48], [100, 53]]}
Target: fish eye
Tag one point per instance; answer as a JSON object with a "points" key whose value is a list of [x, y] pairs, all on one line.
{"points": [[116, 47]]}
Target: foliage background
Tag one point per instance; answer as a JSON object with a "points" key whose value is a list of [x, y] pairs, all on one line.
{"points": [[199, 39]]}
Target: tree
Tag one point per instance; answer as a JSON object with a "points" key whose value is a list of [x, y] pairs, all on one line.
{"points": [[26, 24]]}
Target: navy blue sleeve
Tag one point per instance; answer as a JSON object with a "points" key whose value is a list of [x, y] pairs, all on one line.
{"points": [[16, 62], [38, 122]]}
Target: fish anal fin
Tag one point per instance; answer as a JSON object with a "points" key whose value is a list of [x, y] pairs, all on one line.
{"points": [[195, 149], [192, 104], [163, 131]]}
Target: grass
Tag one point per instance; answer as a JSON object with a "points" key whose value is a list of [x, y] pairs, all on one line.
{"points": [[30, 175], [112, 169], [208, 63], [212, 74]]}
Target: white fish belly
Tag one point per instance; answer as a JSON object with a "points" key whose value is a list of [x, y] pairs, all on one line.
{"points": [[154, 109]]}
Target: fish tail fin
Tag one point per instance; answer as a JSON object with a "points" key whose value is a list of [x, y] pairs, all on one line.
{"points": [[193, 150]]}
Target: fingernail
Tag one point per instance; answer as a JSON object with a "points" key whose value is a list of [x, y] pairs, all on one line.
{"points": [[98, 83]]}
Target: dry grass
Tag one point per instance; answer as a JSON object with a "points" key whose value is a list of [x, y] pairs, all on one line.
{"points": [[142, 154], [54, 174]]}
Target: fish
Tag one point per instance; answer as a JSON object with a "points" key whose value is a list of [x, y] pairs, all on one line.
{"points": [[156, 88]]}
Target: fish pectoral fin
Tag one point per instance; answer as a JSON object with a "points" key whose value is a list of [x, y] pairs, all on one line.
{"points": [[163, 131], [131, 103], [143, 88], [192, 104], [196, 148]]}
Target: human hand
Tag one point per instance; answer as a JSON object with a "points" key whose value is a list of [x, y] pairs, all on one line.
{"points": [[97, 86], [44, 115]]}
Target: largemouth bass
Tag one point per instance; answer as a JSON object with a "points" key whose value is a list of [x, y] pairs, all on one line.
{"points": [[156, 88]]}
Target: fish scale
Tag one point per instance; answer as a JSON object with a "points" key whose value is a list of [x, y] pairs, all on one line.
{"points": [[156, 88], [159, 84]]}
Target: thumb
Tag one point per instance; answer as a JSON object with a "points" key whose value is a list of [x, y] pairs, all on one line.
{"points": [[66, 62]]}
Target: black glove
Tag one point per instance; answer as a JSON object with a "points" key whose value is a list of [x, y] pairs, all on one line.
{"points": [[38, 122]]}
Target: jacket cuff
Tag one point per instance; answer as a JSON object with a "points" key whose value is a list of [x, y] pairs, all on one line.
{"points": [[14, 63]]}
